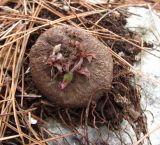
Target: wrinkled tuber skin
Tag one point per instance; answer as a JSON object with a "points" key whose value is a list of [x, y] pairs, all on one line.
{"points": [[80, 89]]}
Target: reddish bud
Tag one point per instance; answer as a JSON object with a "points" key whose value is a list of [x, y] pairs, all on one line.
{"points": [[84, 71], [74, 34], [77, 44]]}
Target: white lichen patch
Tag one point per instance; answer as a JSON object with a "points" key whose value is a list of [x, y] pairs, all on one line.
{"points": [[146, 23]]}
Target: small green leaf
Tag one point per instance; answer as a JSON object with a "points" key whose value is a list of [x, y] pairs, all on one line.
{"points": [[68, 77]]}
